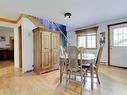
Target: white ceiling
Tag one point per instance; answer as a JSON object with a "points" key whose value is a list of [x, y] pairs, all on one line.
{"points": [[84, 12]]}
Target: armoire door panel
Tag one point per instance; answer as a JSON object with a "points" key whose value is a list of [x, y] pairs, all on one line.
{"points": [[55, 49], [46, 60], [55, 42], [55, 57], [46, 50], [46, 42], [37, 53]]}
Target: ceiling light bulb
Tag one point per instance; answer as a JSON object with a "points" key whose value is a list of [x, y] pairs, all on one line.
{"points": [[67, 15]]}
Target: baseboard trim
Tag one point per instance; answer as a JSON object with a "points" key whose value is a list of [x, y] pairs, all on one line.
{"points": [[119, 66], [104, 63]]}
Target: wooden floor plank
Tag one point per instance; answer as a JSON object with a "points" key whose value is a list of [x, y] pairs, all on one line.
{"points": [[13, 82]]}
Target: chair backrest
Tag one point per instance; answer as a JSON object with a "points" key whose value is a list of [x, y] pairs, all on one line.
{"points": [[73, 52], [62, 52], [98, 58], [81, 49]]}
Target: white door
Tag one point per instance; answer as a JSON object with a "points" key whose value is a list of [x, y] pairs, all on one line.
{"points": [[118, 45]]}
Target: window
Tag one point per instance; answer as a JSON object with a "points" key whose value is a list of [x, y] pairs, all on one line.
{"points": [[81, 41], [88, 40], [120, 37]]}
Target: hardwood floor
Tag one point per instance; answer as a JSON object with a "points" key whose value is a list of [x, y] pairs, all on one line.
{"points": [[13, 82]]}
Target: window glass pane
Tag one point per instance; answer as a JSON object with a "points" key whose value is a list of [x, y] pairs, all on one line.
{"points": [[120, 37], [88, 45], [115, 31], [93, 46], [81, 41], [94, 37], [91, 41]]}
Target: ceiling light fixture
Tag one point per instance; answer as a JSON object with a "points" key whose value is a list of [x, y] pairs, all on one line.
{"points": [[67, 15]]}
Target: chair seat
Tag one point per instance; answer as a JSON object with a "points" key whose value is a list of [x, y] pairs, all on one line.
{"points": [[87, 66], [78, 73], [84, 66]]}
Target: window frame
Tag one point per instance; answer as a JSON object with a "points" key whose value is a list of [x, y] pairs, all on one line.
{"points": [[85, 34]]}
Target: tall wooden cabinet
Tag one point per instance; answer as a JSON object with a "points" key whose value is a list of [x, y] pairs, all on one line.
{"points": [[46, 50]]}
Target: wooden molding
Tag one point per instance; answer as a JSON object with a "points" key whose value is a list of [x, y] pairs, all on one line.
{"points": [[87, 30], [8, 20], [18, 18], [108, 45], [117, 23], [119, 66]]}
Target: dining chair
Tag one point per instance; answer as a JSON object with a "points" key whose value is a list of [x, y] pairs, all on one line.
{"points": [[72, 66], [87, 67], [62, 62]]}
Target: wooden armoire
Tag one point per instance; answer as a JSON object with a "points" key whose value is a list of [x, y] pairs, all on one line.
{"points": [[46, 50]]}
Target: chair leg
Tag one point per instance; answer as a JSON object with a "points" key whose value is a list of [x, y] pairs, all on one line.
{"points": [[91, 74], [84, 76], [66, 81], [86, 73], [81, 84], [75, 77], [69, 76], [97, 76]]}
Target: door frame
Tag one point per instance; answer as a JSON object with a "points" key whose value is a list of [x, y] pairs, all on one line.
{"points": [[11, 38], [20, 45], [109, 38], [12, 46]]}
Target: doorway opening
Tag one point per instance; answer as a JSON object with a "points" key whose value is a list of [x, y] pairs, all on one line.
{"points": [[6, 47], [20, 45], [117, 44]]}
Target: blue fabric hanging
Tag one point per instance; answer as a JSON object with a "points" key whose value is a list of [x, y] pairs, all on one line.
{"points": [[51, 26]]}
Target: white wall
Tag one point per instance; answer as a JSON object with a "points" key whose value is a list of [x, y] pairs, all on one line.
{"points": [[16, 44], [7, 34], [27, 44], [102, 28], [72, 37], [6, 24]]}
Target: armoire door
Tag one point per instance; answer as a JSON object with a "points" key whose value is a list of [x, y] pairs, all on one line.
{"points": [[37, 53], [46, 50], [55, 50]]}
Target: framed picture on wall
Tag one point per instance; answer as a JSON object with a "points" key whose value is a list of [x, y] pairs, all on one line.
{"points": [[2, 38], [102, 38]]}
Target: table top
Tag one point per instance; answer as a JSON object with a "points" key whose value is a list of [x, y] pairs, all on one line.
{"points": [[85, 56]]}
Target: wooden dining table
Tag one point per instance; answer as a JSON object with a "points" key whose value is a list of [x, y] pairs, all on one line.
{"points": [[87, 58]]}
